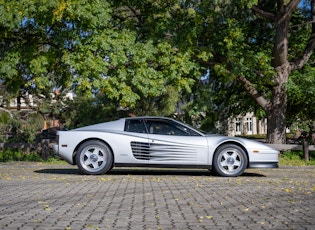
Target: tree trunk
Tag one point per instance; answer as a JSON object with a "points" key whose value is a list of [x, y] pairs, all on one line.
{"points": [[306, 151], [277, 108], [276, 112], [18, 103]]}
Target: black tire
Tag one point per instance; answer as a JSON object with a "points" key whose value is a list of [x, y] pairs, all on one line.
{"points": [[229, 160], [94, 158]]}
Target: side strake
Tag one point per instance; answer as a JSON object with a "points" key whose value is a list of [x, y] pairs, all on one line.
{"points": [[163, 152]]}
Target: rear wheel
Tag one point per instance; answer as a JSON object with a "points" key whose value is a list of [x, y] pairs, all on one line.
{"points": [[229, 160], [94, 158]]}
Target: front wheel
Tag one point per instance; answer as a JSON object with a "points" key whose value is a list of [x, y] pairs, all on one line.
{"points": [[94, 158], [229, 160]]}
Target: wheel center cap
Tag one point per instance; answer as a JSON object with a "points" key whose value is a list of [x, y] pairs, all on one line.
{"points": [[230, 161], [93, 157]]}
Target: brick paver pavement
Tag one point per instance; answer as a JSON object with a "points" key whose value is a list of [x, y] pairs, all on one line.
{"points": [[56, 196]]}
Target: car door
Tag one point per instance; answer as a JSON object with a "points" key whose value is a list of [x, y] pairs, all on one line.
{"points": [[138, 143], [173, 144]]}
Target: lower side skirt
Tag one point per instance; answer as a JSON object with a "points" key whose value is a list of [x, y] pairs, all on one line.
{"points": [[163, 166]]}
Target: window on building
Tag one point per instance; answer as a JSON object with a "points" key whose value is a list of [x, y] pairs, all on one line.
{"points": [[249, 125], [238, 127]]}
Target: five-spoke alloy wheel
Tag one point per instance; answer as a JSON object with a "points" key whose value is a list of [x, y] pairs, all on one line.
{"points": [[94, 157], [229, 160]]}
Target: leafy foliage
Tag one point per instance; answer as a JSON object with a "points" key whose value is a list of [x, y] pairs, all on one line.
{"points": [[21, 127], [16, 155], [84, 111], [146, 57], [301, 104], [77, 45], [295, 158]]}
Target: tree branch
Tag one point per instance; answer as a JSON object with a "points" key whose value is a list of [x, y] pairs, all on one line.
{"points": [[299, 63], [264, 14], [253, 92], [136, 14], [250, 88], [292, 6]]}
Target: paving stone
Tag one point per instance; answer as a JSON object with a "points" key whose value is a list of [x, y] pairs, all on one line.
{"points": [[49, 196]]}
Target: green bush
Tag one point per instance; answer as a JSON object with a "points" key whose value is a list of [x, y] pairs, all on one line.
{"points": [[7, 155], [16, 155], [21, 127], [295, 158]]}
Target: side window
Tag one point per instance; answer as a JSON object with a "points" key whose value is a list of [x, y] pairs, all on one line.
{"points": [[135, 126], [158, 127], [166, 128]]}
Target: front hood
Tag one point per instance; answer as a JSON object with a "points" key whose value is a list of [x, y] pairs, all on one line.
{"points": [[213, 135]]}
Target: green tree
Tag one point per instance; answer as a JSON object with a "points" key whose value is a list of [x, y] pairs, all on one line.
{"points": [[88, 47], [253, 49], [301, 94], [174, 25], [153, 53], [276, 107], [82, 111]]}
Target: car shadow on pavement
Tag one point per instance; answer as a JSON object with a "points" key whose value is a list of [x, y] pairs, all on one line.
{"points": [[143, 172], [58, 171]]}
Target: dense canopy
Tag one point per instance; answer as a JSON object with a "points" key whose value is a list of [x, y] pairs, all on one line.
{"points": [[157, 57]]}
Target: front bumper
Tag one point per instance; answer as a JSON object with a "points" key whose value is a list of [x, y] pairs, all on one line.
{"points": [[263, 165], [55, 148]]}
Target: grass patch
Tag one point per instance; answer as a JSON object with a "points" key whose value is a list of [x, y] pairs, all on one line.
{"points": [[295, 158], [8, 155]]}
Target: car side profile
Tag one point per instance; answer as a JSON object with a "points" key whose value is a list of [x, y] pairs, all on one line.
{"points": [[159, 142]]}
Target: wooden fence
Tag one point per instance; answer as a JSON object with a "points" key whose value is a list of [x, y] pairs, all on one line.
{"points": [[305, 147], [285, 147]]}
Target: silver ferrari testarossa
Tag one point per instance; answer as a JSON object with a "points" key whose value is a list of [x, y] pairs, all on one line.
{"points": [[159, 142]]}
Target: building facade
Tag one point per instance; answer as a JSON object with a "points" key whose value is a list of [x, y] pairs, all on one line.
{"points": [[246, 125]]}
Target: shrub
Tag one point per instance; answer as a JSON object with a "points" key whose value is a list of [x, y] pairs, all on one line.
{"points": [[295, 158], [16, 155]]}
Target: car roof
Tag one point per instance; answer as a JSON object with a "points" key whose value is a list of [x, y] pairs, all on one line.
{"points": [[148, 117], [119, 124]]}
